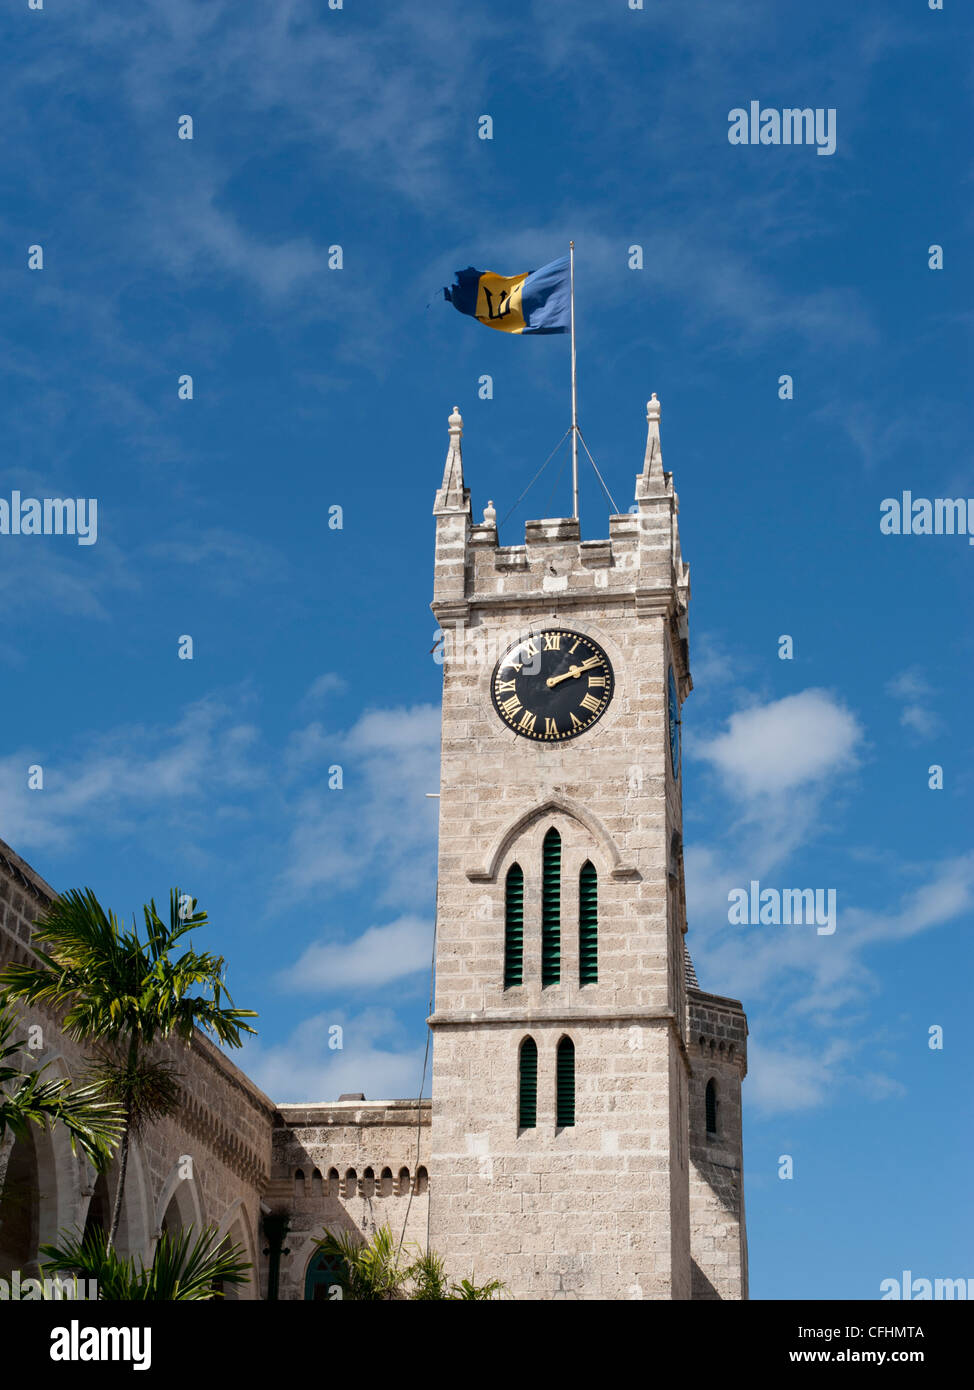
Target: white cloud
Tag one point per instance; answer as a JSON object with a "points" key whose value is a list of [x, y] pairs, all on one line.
{"points": [[915, 691], [379, 955], [794, 742]]}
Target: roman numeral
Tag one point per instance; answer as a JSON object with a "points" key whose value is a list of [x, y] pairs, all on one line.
{"points": [[597, 681], [574, 645], [550, 728], [511, 706], [527, 721], [503, 686], [576, 722], [529, 648], [552, 641], [590, 703]]}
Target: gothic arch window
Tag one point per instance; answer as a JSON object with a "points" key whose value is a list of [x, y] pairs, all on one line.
{"points": [[551, 909], [514, 927], [565, 1084], [588, 925], [322, 1283], [527, 1089], [711, 1106]]}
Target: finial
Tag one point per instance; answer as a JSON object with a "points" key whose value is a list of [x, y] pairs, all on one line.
{"points": [[490, 515], [452, 492], [652, 474]]}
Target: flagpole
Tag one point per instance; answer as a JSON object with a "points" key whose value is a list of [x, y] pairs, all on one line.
{"points": [[571, 254]]}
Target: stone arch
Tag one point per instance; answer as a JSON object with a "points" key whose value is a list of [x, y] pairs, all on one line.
{"points": [[236, 1228], [385, 1183], [402, 1182], [618, 868], [422, 1181], [179, 1204]]}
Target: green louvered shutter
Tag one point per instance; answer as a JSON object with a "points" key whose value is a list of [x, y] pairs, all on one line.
{"points": [[527, 1104], [565, 1100], [551, 909], [514, 927], [588, 926]]}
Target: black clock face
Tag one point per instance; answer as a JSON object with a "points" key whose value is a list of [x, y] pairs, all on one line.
{"points": [[552, 685], [674, 718]]}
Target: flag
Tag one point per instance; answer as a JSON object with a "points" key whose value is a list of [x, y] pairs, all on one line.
{"points": [[538, 301]]}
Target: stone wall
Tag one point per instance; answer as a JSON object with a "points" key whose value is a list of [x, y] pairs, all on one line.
{"points": [[349, 1167], [718, 1051], [223, 1126]]}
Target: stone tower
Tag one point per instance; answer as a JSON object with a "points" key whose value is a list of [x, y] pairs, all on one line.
{"points": [[562, 1064]]}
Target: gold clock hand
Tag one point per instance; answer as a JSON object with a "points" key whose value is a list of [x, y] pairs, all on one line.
{"points": [[574, 672]]}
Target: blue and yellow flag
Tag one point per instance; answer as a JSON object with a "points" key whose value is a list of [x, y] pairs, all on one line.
{"points": [[538, 301]]}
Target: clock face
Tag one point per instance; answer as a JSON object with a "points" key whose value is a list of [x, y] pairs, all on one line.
{"points": [[552, 685], [674, 719]]}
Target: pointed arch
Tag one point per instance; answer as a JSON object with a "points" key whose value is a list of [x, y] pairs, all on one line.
{"points": [[565, 1083], [551, 909], [527, 1088], [557, 805], [588, 924], [514, 927]]}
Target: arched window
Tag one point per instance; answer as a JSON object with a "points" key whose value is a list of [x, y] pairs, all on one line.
{"points": [[322, 1283], [711, 1106], [527, 1097], [514, 927], [422, 1181], [565, 1082], [334, 1182], [551, 908], [385, 1183], [588, 926], [299, 1182], [316, 1185], [402, 1186]]}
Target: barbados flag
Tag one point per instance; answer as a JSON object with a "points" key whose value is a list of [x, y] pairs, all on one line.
{"points": [[538, 301]]}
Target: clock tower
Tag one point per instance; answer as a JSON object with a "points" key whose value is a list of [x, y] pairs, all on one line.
{"points": [[563, 1147]]}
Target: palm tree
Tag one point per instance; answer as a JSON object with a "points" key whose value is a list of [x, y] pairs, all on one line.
{"points": [[127, 995], [29, 1098], [369, 1272], [183, 1269]]}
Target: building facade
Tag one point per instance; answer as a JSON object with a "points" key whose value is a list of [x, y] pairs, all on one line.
{"points": [[584, 1135]]}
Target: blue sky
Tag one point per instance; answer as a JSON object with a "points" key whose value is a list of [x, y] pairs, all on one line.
{"points": [[316, 388]]}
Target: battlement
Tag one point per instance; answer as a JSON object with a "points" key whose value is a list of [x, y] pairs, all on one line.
{"points": [[638, 561]]}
